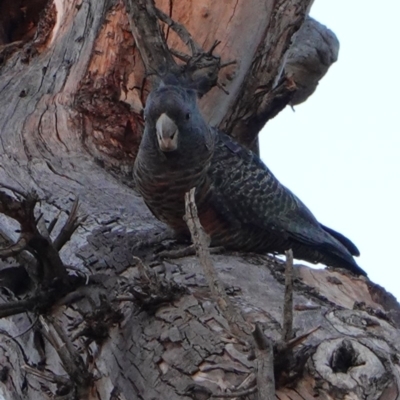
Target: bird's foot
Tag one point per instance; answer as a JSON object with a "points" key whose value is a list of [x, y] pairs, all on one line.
{"points": [[154, 239], [177, 253], [185, 252]]}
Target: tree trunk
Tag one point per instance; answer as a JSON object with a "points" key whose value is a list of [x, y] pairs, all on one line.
{"points": [[74, 77]]}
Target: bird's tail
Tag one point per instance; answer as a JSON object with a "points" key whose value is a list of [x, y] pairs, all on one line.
{"points": [[331, 252], [345, 262], [350, 246], [338, 251]]}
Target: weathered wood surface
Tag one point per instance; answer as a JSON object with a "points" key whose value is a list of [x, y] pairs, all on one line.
{"points": [[71, 100], [158, 356]]}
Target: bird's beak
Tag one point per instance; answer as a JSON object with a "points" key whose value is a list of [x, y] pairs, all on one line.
{"points": [[167, 133]]}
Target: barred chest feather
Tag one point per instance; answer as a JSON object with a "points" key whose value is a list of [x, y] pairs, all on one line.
{"points": [[164, 191]]}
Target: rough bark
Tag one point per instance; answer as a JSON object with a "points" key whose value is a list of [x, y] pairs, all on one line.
{"points": [[73, 85]]}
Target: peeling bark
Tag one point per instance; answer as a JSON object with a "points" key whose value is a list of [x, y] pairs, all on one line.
{"points": [[73, 84]]}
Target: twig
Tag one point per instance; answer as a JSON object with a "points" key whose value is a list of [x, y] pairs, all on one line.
{"points": [[20, 210], [226, 64], [265, 365], [23, 211], [15, 249], [16, 307], [40, 223], [71, 298], [53, 223], [219, 86], [201, 243], [32, 303], [242, 393], [143, 271], [201, 68], [248, 382], [26, 330], [179, 54], [48, 258], [151, 291], [289, 345], [47, 376], [213, 47], [288, 303], [181, 31], [73, 222], [72, 362]]}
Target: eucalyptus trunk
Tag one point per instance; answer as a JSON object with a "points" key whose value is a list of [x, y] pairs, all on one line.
{"points": [[74, 77]]}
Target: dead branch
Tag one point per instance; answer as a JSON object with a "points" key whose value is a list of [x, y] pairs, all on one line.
{"points": [[249, 382], [98, 322], [265, 365], [151, 291], [35, 236], [71, 225], [314, 49], [15, 249], [15, 307], [40, 302], [47, 376], [21, 207], [202, 67], [288, 302], [71, 360], [180, 55], [300, 339], [145, 28], [182, 32], [53, 223], [241, 121], [201, 242]]}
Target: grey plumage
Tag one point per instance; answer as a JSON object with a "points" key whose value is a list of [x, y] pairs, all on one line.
{"points": [[241, 204]]}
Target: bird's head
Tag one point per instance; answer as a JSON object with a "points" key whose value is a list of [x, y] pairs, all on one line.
{"points": [[174, 121]]}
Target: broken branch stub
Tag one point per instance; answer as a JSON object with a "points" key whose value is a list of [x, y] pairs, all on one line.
{"points": [[200, 69], [265, 365], [201, 242], [288, 303], [148, 36]]}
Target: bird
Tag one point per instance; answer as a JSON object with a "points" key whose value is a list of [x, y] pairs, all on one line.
{"points": [[241, 205]]}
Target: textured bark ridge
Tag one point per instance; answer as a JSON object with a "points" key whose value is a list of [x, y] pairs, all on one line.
{"points": [[315, 48], [124, 324]]}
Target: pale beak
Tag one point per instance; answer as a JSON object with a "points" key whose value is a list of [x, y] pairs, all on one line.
{"points": [[167, 133]]}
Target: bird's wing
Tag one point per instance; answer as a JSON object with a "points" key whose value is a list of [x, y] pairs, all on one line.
{"points": [[246, 189]]}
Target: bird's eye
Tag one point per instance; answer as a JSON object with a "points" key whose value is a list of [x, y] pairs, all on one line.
{"points": [[187, 116]]}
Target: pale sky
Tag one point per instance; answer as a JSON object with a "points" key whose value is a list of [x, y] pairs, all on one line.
{"points": [[339, 151]]}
